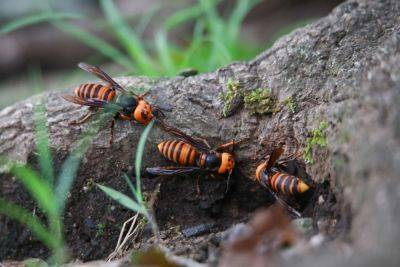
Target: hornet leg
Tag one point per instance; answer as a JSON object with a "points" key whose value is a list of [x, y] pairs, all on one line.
{"points": [[112, 131], [198, 186], [227, 147], [82, 119]]}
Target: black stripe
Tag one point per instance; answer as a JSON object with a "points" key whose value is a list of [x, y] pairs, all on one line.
{"points": [[171, 153], [81, 89], [295, 185], [84, 91], [189, 151], [278, 182], [106, 94], [96, 91], [178, 153], [287, 184], [165, 149], [89, 90]]}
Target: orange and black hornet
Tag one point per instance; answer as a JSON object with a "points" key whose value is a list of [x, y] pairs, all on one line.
{"points": [[193, 156], [130, 106], [278, 181]]}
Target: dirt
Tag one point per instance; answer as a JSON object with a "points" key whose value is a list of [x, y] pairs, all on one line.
{"points": [[342, 70]]}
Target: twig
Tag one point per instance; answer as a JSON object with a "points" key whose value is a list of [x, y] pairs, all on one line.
{"points": [[121, 243]]}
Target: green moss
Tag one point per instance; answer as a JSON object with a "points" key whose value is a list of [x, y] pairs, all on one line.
{"points": [[317, 138], [100, 229], [260, 101], [290, 104], [233, 92]]}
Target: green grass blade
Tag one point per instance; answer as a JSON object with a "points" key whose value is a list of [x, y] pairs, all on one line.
{"points": [[122, 199], [41, 131], [164, 53], [196, 42], [183, 16], [127, 37], [43, 143], [96, 43], [241, 9], [26, 218], [37, 18], [38, 188], [139, 157], [214, 21], [66, 177], [128, 181], [146, 19], [215, 27], [70, 166]]}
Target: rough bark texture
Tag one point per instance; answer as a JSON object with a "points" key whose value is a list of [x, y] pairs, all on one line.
{"points": [[343, 69]]}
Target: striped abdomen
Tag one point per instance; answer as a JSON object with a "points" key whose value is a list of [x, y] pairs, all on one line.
{"points": [[93, 90], [286, 184], [280, 182], [178, 152]]}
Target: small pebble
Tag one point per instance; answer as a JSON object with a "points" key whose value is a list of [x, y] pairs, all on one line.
{"points": [[197, 230], [321, 200], [317, 240]]}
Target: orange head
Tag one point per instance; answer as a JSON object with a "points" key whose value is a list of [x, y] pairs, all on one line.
{"points": [[143, 112], [227, 163]]}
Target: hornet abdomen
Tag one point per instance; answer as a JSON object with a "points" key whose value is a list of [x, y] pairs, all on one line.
{"points": [[93, 90], [281, 182], [179, 152]]}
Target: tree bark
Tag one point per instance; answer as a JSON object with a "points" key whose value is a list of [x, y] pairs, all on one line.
{"points": [[343, 70]]}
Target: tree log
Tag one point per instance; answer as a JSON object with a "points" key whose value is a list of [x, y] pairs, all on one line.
{"points": [[342, 69]]}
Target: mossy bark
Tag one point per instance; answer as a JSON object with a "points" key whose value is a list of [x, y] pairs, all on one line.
{"points": [[343, 69]]}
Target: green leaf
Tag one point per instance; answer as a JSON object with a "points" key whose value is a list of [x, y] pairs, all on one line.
{"points": [[96, 43], [126, 36], [66, 177], [37, 18], [43, 144], [70, 166], [183, 16], [128, 181], [164, 53], [26, 218], [139, 157], [41, 131], [147, 18], [196, 43], [122, 199], [38, 188], [241, 9]]}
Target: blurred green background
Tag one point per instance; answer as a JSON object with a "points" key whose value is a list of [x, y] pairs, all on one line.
{"points": [[136, 37]]}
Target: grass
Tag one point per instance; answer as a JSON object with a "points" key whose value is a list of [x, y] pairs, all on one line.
{"points": [[204, 50], [48, 190], [136, 204]]}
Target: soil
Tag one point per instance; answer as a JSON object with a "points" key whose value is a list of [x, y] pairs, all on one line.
{"points": [[341, 70]]}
